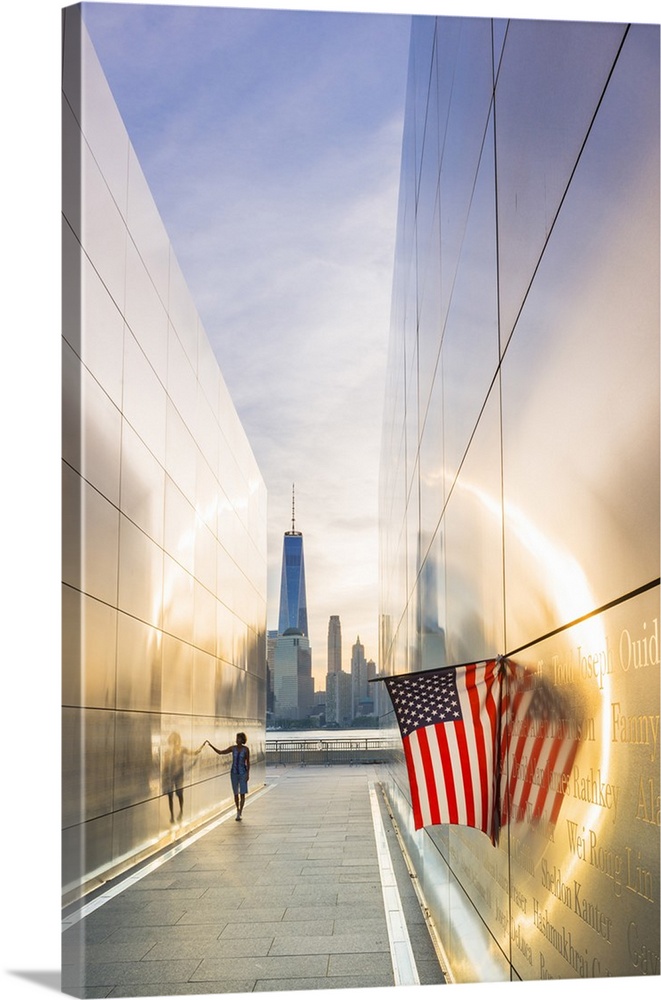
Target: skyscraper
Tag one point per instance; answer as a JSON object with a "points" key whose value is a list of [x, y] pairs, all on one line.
{"points": [[334, 645], [293, 683], [293, 601], [358, 676]]}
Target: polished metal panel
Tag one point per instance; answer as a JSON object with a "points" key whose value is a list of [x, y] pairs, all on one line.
{"points": [[102, 346], [519, 487], [135, 760], [466, 87], [180, 452], [204, 683], [102, 231], [139, 670], [144, 312], [97, 542], [144, 398], [593, 339], [100, 120], [210, 378], [141, 583], [550, 81], [177, 681], [204, 632], [181, 383], [179, 530], [471, 318], [146, 230], [182, 313], [101, 431], [588, 887], [142, 485], [473, 548], [89, 650], [164, 514], [87, 762]]}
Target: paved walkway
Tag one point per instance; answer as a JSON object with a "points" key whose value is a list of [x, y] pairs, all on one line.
{"points": [[309, 891]]}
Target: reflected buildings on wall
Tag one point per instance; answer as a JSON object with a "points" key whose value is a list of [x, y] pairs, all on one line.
{"points": [[520, 465], [164, 516]]}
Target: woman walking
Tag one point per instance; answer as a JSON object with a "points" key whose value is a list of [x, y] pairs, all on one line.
{"points": [[239, 771]]}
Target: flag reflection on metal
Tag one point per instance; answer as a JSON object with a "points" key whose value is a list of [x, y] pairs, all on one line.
{"points": [[539, 743]]}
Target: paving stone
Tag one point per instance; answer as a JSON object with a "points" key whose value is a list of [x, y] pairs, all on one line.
{"points": [[333, 912], [174, 932], [282, 928], [333, 944], [333, 983], [125, 973], [239, 947], [182, 989], [109, 951], [359, 964], [262, 968], [245, 915]]}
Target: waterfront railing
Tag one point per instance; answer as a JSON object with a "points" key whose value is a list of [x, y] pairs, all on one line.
{"points": [[345, 750]]}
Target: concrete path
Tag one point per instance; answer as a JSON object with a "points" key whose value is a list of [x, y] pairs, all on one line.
{"points": [[309, 891]]}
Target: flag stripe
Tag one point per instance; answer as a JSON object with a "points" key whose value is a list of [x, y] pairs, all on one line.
{"points": [[413, 782], [448, 773], [440, 787], [469, 769], [479, 742], [430, 780]]}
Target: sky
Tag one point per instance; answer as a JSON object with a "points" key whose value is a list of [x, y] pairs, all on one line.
{"points": [[29, 417], [271, 141]]}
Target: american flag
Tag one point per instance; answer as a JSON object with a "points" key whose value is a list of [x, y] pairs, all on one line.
{"points": [[449, 719], [539, 743]]}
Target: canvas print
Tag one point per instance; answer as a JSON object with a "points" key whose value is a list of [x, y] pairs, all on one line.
{"points": [[360, 477]]}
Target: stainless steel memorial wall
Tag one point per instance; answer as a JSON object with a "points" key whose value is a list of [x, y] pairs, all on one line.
{"points": [[164, 516], [520, 468]]}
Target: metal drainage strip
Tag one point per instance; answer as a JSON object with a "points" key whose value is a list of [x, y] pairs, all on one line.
{"points": [[403, 962]]}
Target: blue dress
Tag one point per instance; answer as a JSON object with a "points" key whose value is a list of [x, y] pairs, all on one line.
{"points": [[239, 770]]}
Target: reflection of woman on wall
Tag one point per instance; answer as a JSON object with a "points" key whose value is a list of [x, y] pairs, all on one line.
{"points": [[173, 772], [240, 770]]}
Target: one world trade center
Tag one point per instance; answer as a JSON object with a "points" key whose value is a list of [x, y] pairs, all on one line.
{"points": [[293, 602]]}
